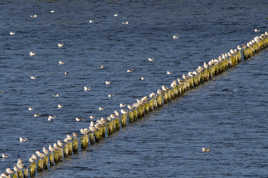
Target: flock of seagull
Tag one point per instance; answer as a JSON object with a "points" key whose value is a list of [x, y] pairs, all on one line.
{"points": [[124, 108], [93, 125]]}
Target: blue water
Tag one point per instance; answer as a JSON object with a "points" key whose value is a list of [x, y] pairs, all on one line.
{"points": [[228, 115]]}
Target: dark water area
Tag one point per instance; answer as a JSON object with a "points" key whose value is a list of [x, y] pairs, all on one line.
{"points": [[228, 115]]}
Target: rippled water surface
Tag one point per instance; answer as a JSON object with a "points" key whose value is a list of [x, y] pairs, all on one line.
{"points": [[229, 115]]}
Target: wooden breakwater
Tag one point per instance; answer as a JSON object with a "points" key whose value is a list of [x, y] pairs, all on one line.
{"points": [[105, 127]]}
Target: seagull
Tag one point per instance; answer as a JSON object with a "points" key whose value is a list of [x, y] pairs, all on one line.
{"points": [[204, 149], [59, 143], [51, 118], [55, 146], [32, 77], [144, 99], [23, 139], [39, 154], [59, 106], [45, 151], [92, 127], [129, 70], [205, 65], [52, 11], [86, 88], [164, 88], [4, 156], [50, 148], [34, 16], [109, 95], [34, 157], [31, 53], [15, 169], [129, 107], [159, 92], [60, 45], [101, 67], [125, 23], [4, 175], [101, 108], [65, 73], [77, 119], [102, 121], [142, 78], [123, 111], [116, 112], [69, 137], [150, 59], [11, 33], [19, 161], [175, 37], [190, 74], [30, 108], [135, 105], [30, 160], [91, 117], [173, 84], [9, 171], [90, 21], [178, 80], [36, 115], [168, 73], [66, 140], [20, 164], [107, 82], [138, 101], [184, 77], [97, 126], [152, 95], [74, 135], [256, 30], [112, 116], [122, 105], [56, 95], [84, 131], [60, 62], [109, 119], [115, 15]]}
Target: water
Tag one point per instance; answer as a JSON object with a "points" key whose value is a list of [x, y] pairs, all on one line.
{"points": [[229, 114]]}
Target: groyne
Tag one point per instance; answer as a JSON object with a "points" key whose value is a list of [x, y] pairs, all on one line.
{"points": [[74, 143]]}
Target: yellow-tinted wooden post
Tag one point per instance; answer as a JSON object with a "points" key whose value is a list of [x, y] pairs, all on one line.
{"points": [[117, 124], [84, 141], [75, 143], [20, 173], [40, 164], [131, 116], [124, 118], [51, 159], [92, 138], [25, 172], [32, 166]]}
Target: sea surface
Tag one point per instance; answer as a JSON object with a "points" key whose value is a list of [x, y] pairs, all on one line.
{"points": [[229, 114]]}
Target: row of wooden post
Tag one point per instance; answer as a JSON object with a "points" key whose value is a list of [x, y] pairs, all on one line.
{"points": [[149, 104]]}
